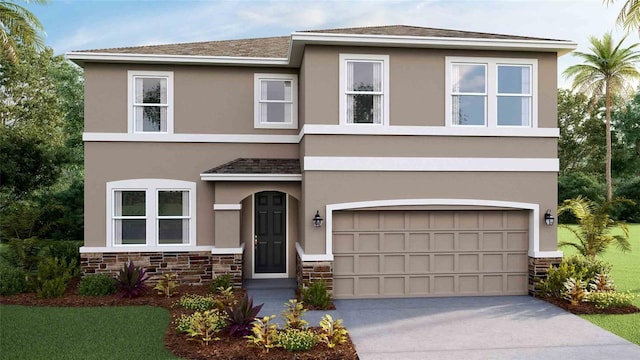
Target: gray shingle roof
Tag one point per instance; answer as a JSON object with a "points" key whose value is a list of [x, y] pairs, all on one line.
{"points": [[278, 47], [258, 166]]}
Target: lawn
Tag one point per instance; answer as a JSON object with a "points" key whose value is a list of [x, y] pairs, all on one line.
{"points": [[123, 332], [626, 276]]}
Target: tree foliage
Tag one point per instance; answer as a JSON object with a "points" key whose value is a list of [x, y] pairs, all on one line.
{"points": [[18, 26], [629, 16]]}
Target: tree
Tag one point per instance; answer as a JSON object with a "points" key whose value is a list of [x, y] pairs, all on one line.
{"points": [[629, 16], [605, 71], [18, 26], [594, 227]]}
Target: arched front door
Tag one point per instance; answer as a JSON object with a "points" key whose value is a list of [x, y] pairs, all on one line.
{"points": [[270, 232]]}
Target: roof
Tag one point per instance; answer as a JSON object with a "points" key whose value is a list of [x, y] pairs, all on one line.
{"points": [[258, 166], [286, 51]]}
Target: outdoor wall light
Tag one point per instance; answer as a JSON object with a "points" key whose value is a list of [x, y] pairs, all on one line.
{"points": [[548, 218], [317, 220]]}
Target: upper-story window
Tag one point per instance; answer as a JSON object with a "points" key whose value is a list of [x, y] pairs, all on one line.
{"points": [[150, 102], [151, 212], [276, 101], [364, 89], [491, 92]]}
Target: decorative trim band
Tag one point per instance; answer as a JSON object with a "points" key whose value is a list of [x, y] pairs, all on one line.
{"points": [[126, 248], [227, 251], [338, 163], [227, 206], [191, 138], [251, 177], [314, 257]]}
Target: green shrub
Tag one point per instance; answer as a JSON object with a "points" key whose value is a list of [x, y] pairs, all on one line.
{"points": [[97, 285], [202, 326], [292, 315], [589, 268], [23, 253], [608, 299], [222, 282], [130, 281], [67, 250], [12, 280], [196, 302], [296, 339], [333, 333], [53, 277], [241, 315], [576, 267], [166, 285], [316, 294], [628, 211], [602, 282], [577, 184], [264, 335]]}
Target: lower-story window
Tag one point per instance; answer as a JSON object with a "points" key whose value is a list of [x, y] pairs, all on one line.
{"points": [[151, 212]]}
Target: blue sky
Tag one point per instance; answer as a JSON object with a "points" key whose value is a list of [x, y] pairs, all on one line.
{"points": [[90, 24]]}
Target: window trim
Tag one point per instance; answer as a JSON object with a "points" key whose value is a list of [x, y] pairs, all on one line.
{"points": [[151, 187], [491, 89], [344, 58], [257, 100], [131, 93]]}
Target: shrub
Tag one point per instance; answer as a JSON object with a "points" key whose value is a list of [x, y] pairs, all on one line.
{"points": [[628, 211], [602, 282], [333, 333], [131, 281], [316, 294], [202, 326], [589, 268], [241, 315], [166, 284], [222, 282], [23, 253], [575, 291], [577, 267], [67, 250], [264, 334], [608, 299], [297, 339], [12, 280], [224, 298], [53, 276], [97, 285], [196, 302], [577, 184], [292, 315]]}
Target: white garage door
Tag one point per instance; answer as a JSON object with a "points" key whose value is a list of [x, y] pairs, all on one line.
{"points": [[398, 253]]}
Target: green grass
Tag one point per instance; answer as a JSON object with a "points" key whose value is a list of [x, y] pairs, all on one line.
{"points": [[626, 276], [127, 332]]}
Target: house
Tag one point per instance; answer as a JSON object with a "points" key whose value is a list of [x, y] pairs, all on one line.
{"points": [[388, 161]]}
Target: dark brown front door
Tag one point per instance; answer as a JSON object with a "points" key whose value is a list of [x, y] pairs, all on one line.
{"points": [[270, 232]]}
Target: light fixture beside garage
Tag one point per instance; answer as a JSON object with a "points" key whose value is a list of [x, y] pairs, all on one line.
{"points": [[317, 220], [548, 218]]}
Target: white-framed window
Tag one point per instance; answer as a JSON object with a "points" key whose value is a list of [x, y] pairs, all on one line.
{"points": [[491, 92], [364, 89], [276, 101], [151, 212], [150, 97]]}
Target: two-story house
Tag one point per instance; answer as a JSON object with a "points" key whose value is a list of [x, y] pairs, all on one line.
{"points": [[389, 161]]}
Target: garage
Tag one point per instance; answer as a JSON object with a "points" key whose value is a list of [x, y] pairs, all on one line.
{"points": [[415, 253]]}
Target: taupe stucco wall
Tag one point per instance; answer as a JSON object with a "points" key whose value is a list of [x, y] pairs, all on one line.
{"points": [[106, 162], [330, 187], [207, 99], [416, 81]]}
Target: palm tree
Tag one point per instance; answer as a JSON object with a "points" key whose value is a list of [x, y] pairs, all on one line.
{"points": [[629, 16], [605, 70], [19, 25], [594, 227]]}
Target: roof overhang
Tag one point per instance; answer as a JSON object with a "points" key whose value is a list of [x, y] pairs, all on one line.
{"points": [[300, 39], [250, 177]]}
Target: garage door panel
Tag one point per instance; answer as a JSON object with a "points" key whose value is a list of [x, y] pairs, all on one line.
{"points": [[430, 253]]}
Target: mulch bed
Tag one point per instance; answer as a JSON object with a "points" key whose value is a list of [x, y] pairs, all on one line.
{"points": [[228, 348], [586, 308]]}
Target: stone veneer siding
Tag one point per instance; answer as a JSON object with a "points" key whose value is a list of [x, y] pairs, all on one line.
{"points": [[312, 271], [192, 268], [538, 269]]}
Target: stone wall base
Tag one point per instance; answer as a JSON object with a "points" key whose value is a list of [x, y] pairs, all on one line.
{"points": [[312, 271], [192, 268], [538, 269]]}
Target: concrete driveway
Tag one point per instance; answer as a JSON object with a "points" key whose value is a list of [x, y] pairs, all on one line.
{"points": [[469, 328]]}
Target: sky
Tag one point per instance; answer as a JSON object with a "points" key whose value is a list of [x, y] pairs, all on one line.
{"points": [[72, 25]]}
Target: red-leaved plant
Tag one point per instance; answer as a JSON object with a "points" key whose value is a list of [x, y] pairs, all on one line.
{"points": [[131, 281], [241, 315]]}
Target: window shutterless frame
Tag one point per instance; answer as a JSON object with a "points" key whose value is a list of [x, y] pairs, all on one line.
{"points": [[260, 98], [459, 93], [345, 93], [492, 65], [133, 105]]}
